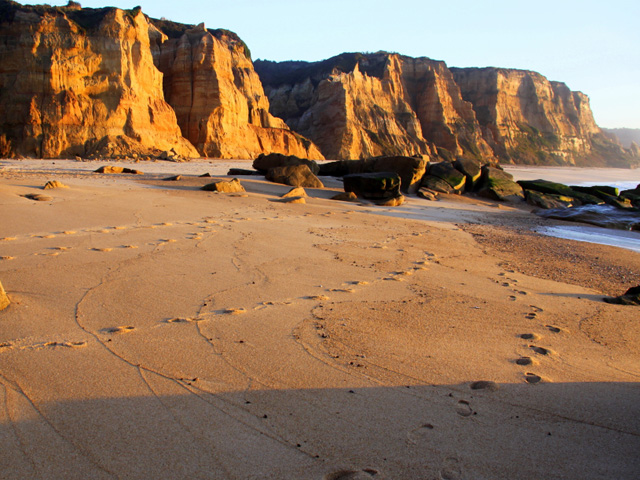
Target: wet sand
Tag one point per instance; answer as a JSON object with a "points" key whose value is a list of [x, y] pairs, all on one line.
{"points": [[159, 331]]}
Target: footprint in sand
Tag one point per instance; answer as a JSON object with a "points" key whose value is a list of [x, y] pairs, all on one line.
{"points": [[129, 246], [7, 258], [184, 320], [7, 239], [532, 378], [364, 474], [554, 329], [531, 316], [513, 298], [65, 344], [536, 309], [48, 236], [463, 408], [524, 361], [417, 434], [359, 282], [5, 345], [317, 297], [69, 232], [484, 385], [529, 336], [234, 311], [540, 350], [102, 249], [125, 329], [451, 469], [342, 290]]}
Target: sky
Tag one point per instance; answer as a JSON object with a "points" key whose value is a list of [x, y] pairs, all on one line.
{"points": [[592, 46]]}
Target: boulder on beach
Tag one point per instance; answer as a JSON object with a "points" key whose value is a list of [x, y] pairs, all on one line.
{"points": [[470, 168], [114, 169], [496, 184], [295, 192], [54, 184], [630, 297], [346, 197], [436, 184], [373, 186], [605, 216], [547, 200], [447, 172], [295, 175], [4, 299], [223, 186], [264, 163], [242, 171], [409, 169]]}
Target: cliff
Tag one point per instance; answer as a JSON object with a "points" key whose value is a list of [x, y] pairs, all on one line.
{"points": [[77, 82], [360, 105], [220, 105], [357, 106], [529, 119], [82, 81]]}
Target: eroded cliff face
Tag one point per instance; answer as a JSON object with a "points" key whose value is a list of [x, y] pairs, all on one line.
{"points": [[73, 82], [529, 119], [90, 82], [219, 101], [357, 106]]}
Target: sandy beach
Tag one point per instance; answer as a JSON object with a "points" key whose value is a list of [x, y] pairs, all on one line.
{"points": [[158, 331]]}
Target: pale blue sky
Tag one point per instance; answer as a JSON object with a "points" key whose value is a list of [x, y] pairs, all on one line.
{"points": [[592, 46]]}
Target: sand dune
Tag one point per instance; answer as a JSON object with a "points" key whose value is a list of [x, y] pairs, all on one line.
{"points": [[159, 331]]}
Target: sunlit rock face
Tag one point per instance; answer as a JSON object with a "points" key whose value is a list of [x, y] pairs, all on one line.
{"points": [[529, 119], [360, 105], [219, 101], [93, 82], [73, 81], [357, 106]]}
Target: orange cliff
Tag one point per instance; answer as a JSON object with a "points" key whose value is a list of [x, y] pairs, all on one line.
{"points": [[219, 101], [358, 105], [82, 81], [528, 119]]}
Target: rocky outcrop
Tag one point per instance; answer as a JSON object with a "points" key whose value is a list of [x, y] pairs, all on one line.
{"points": [[356, 106], [219, 102], [115, 83], [74, 82], [361, 105], [528, 119]]}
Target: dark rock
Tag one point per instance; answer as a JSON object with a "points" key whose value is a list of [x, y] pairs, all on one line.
{"points": [[632, 195], [380, 185], [295, 175], [264, 163], [606, 216], [233, 186], [496, 184], [205, 175], [547, 200], [410, 169], [597, 190], [391, 202], [447, 172], [175, 178], [242, 171], [436, 184], [630, 297], [471, 168], [553, 188]]}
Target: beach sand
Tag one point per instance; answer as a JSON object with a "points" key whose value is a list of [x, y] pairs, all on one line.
{"points": [[157, 331]]}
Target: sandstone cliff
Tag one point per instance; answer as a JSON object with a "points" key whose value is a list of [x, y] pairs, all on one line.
{"points": [[529, 119], [221, 107], [360, 105], [357, 106], [82, 81], [76, 81]]}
